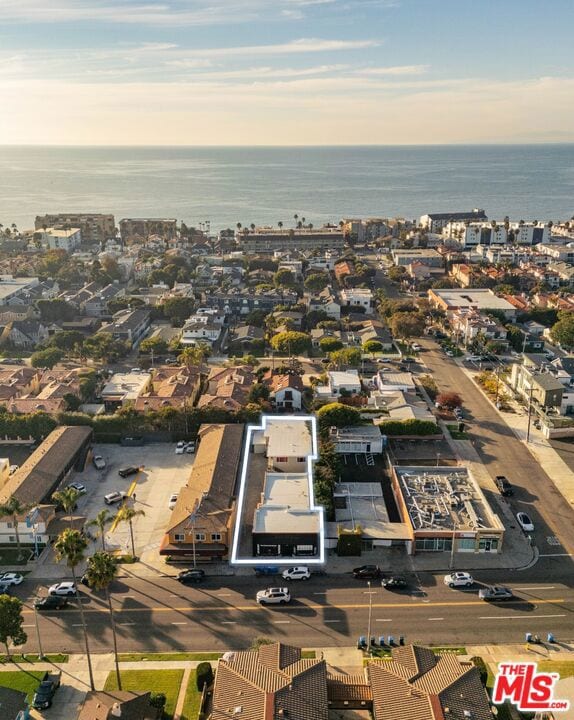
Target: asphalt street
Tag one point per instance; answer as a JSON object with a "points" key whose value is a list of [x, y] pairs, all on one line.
{"points": [[160, 614]]}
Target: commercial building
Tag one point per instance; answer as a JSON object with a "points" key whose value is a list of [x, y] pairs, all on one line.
{"points": [[64, 450], [16, 290], [435, 222], [360, 439], [470, 299], [144, 227], [427, 256], [270, 240], [94, 227], [201, 523], [445, 505]]}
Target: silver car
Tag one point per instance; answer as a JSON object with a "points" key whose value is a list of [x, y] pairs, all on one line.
{"points": [[273, 596]]}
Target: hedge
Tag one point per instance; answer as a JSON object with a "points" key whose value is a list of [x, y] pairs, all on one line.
{"points": [[203, 675], [409, 427]]}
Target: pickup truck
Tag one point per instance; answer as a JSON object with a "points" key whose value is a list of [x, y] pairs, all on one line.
{"points": [[503, 485], [46, 690]]}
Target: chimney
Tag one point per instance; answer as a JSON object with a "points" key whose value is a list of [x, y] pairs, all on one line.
{"points": [[116, 710]]}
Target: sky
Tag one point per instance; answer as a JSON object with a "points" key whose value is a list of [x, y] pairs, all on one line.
{"points": [[286, 72]]}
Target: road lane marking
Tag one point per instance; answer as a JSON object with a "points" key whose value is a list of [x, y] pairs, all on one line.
{"points": [[555, 555], [435, 618], [28, 625], [325, 621], [548, 587], [518, 617], [126, 623], [179, 623], [384, 620], [77, 625], [223, 594], [229, 622], [281, 622], [319, 593], [369, 592]]}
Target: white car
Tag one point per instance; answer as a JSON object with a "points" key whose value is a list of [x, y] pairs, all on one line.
{"points": [[296, 573], [416, 347], [384, 360], [77, 486], [13, 469], [11, 578], [114, 497], [180, 448], [459, 579], [449, 353], [172, 500], [473, 358], [525, 522], [190, 448], [67, 589], [99, 462], [273, 596]]}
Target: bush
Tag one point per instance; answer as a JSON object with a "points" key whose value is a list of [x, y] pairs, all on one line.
{"points": [[409, 427], [158, 700], [203, 675], [480, 665]]}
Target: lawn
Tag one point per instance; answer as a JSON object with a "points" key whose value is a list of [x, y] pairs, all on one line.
{"points": [[456, 434], [192, 699], [25, 680], [564, 668], [33, 658], [166, 657], [158, 681]]}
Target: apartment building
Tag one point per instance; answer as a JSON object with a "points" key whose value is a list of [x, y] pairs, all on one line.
{"points": [[67, 239], [427, 256], [129, 325], [476, 233], [144, 227], [94, 227], [16, 290], [479, 299], [270, 240], [435, 222]]}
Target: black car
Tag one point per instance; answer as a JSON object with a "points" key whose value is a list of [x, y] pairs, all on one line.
{"points": [[367, 572], [191, 576], [394, 582], [50, 602], [503, 485], [127, 471]]}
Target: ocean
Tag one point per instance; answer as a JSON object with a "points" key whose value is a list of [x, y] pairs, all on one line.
{"points": [[265, 185]]}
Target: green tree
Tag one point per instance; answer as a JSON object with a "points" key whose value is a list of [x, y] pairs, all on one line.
{"points": [[315, 282], [102, 346], [73, 402], [13, 508], [337, 415], [127, 514], [56, 310], [350, 357], [398, 273], [67, 340], [291, 342], [330, 344], [101, 521], [71, 546], [256, 318], [193, 356], [373, 347], [11, 622], [102, 569], [67, 499], [259, 391], [284, 278], [153, 344], [178, 309], [88, 384], [46, 358], [562, 332], [407, 324]]}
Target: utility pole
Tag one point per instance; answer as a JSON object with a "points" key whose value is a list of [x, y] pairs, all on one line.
{"points": [[370, 615], [40, 651], [452, 547], [529, 413]]}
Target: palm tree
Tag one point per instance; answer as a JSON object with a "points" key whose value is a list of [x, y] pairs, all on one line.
{"points": [[103, 518], [13, 507], [280, 225], [102, 569], [71, 546], [252, 226], [67, 498], [296, 217], [127, 514], [238, 226]]}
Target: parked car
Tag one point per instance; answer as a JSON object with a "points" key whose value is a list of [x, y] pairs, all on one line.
{"points": [[11, 578], [384, 360], [50, 602], [5, 589], [495, 592], [273, 596], [449, 353], [180, 448], [394, 582], [77, 486], [416, 347], [13, 469], [99, 462], [190, 448], [127, 471], [266, 570], [503, 485], [66, 588], [172, 500], [525, 522], [114, 497], [296, 573], [459, 579], [195, 575], [473, 358], [46, 690], [367, 572]]}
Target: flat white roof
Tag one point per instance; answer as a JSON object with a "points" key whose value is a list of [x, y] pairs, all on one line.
{"points": [[344, 377], [478, 297], [291, 438], [127, 385], [290, 489], [283, 519], [9, 286]]}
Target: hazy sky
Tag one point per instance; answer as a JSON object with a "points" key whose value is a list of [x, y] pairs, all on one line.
{"points": [[282, 72]]}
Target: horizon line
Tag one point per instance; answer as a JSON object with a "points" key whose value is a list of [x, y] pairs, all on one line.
{"points": [[277, 146]]}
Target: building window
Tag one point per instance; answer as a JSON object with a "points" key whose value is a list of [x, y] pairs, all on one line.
{"points": [[281, 459], [466, 543], [199, 537], [11, 538], [215, 537], [179, 537], [301, 459]]}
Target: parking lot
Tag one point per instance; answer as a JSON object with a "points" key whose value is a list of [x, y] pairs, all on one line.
{"points": [[162, 473]]}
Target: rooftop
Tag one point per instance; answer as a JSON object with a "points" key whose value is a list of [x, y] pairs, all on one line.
{"points": [[288, 438], [127, 386], [470, 298]]}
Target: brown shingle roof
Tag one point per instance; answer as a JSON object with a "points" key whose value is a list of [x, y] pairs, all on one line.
{"points": [[134, 706]]}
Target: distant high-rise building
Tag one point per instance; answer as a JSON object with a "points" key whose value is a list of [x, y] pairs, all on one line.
{"points": [[95, 227], [144, 227], [434, 222]]}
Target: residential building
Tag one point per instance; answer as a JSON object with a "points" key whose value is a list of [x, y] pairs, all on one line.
{"points": [[471, 235], [201, 329], [469, 325], [244, 335], [114, 704], [176, 387], [144, 227], [202, 520], [357, 297], [124, 389], [530, 233], [560, 253], [325, 301], [18, 381], [435, 222], [285, 391], [392, 382], [360, 439], [471, 299], [420, 271], [325, 262], [94, 227], [228, 388], [339, 383], [269, 240], [530, 381], [59, 238], [96, 305], [238, 303], [131, 326], [427, 256], [564, 271], [273, 681], [16, 290], [25, 334], [418, 684], [442, 505], [33, 526], [400, 406], [64, 450], [355, 229]]}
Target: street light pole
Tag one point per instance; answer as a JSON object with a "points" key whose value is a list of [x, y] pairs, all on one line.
{"points": [[40, 651], [370, 615], [452, 547], [529, 413]]}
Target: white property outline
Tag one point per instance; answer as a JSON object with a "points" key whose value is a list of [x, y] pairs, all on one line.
{"points": [[243, 482]]}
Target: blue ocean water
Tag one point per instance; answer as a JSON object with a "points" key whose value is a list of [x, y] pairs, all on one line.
{"points": [[265, 185]]}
